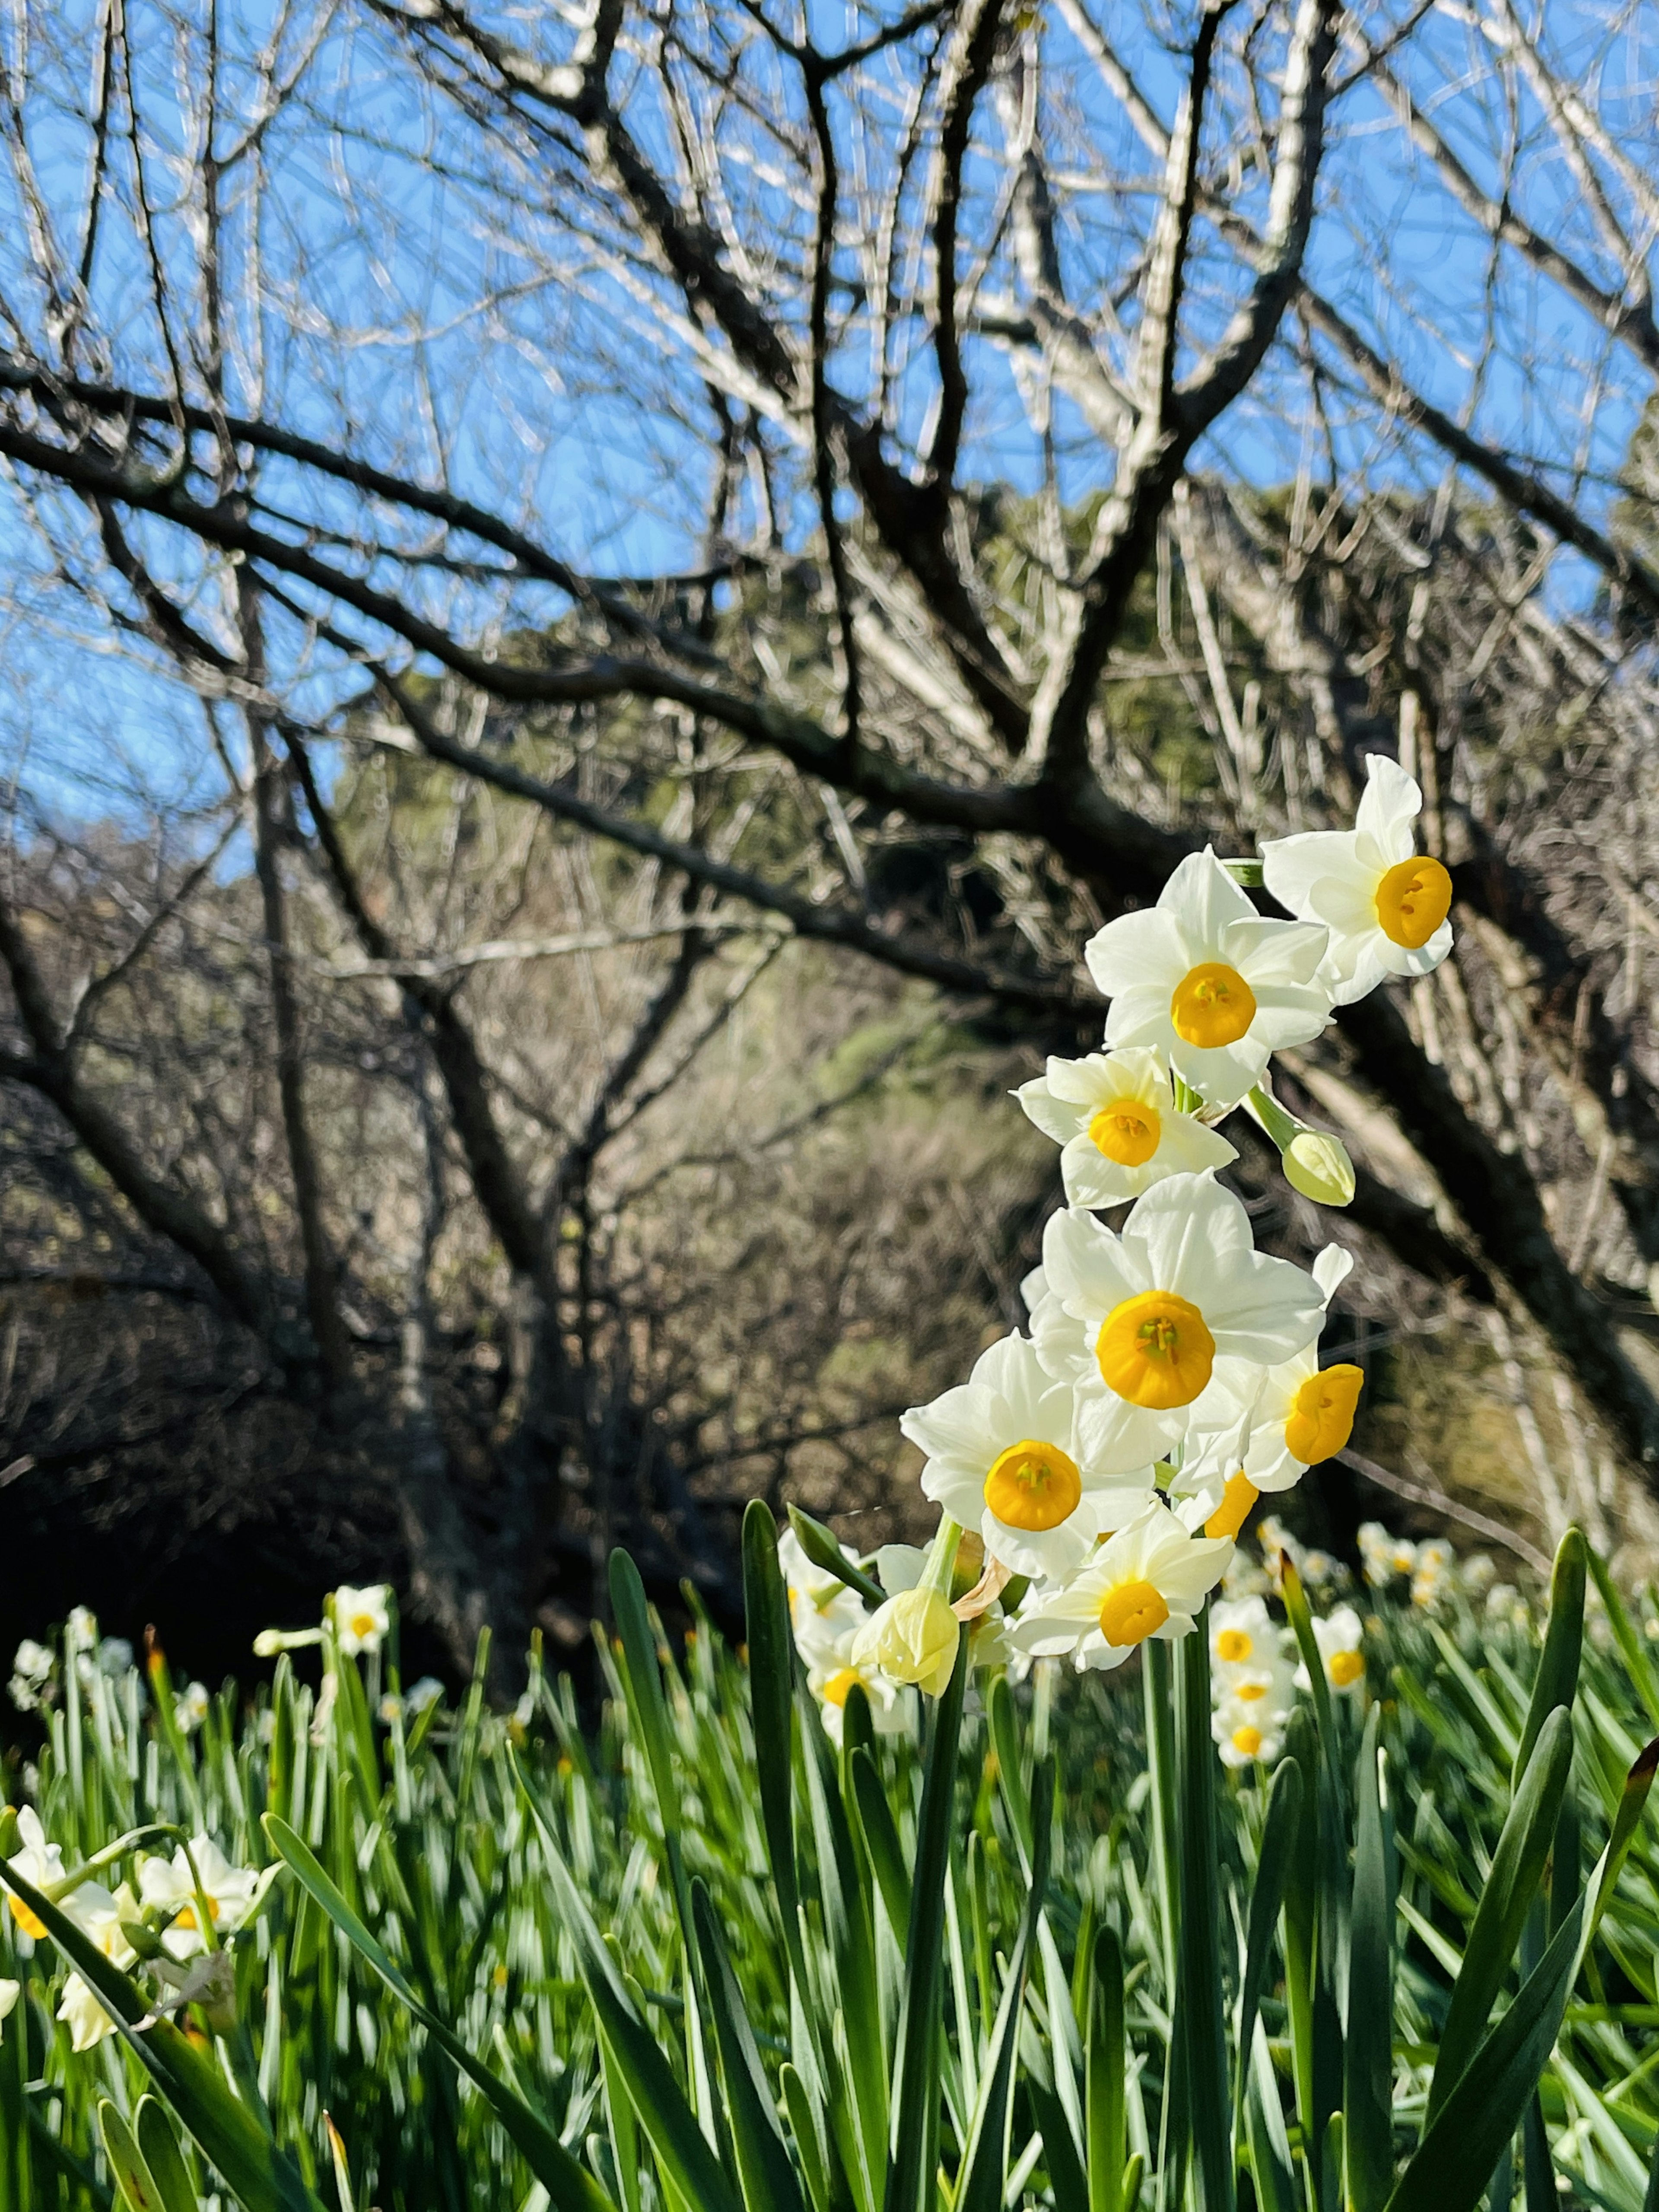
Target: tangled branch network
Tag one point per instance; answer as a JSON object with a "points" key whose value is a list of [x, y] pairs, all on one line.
{"points": [[1108, 1460]]}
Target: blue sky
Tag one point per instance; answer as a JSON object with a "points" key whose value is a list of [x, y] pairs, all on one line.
{"points": [[425, 296]]}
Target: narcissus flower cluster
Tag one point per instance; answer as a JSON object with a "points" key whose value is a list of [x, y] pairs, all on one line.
{"points": [[1097, 1468]]}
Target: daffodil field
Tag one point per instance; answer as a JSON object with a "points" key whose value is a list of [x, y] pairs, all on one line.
{"points": [[1338, 1896]]}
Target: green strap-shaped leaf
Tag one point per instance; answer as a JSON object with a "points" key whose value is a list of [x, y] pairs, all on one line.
{"points": [[820, 1546], [765, 2172], [1209, 2103], [1005, 1740], [127, 2162], [1368, 2052], [771, 1692], [159, 2147], [806, 2128], [1105, 2080], [914, 2151], [567, 2183], [1454, 2161], [255, 2171], [1557, 1679], [681, 2149], [1264, 2118], [1272, 1872], [881, 1841], [1517, 1871], [983, 2179]]}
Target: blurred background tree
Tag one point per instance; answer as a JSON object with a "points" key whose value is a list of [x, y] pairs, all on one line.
{"points": [[598, 601]]}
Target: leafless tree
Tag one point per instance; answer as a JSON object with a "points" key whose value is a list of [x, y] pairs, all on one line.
{"points": [[898, 494]]}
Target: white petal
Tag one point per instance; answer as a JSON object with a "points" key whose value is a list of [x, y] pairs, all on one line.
{"points": [[1222, 1074], [1291, 866], [1267, 951], [1332, 1269], [1263, 1309], [1088, 1268], [1204, 900], [1138, 1019], [1117, 1438], [1187, 1226], [1388, 806], [953, 1425], [1141, 948], [1056, 1117]]}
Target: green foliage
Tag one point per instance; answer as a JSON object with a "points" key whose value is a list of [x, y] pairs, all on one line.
{"points": [[698, 1958]]}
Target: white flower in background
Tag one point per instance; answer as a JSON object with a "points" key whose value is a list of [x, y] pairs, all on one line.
{"points": [[1478, 1573], [1148, 1579], [9, 1993], [832, 1687], [1242, 1633], [190, 1707], [1141, 1324], [1114, 1117], [39, 1864], [1250, 1734], [362, 1617], [114, 1656], [1504, 1602], [1434, 1574], [31, 1672], [424, 1692], [1209, 984], [1004, 1457], [230, 1891], [1341, 1640], [1380, 1554], [1384, 904], [82, 1626], [822, 1612], [99, 1916]]}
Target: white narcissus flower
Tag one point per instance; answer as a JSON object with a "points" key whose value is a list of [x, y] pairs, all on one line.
{"points": [[1340, 1639], [822, 1612], [1242, 1634], [9, 1993], [1266, 1437], [1150, 1579], [1209, 984], [231, 1892], [1114, 1117], [1248, 1734], [1004, 1457], [362, 1617], [1385, 903], [99, 1916], [1142, 1324], [39, 1864]]}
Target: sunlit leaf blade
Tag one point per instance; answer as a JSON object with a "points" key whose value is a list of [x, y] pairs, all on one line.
{"points": [[915, 2107], [881, 1841], [765, 2174], [771, 1690], [981, 2183], [1273, 1874], [132, 2177], [1512, 1885], [569, 2184], [1104, 2063], [1209, 2101], [159, 2147], [1453, 2162], [1557, 1679], [1368, 2052]]}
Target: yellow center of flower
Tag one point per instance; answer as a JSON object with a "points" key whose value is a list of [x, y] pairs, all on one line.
{"points": [[1033, 1486], [1126, 1131], [1234, 1645], [1155, 1351], [1247, 1740], [1248, 1692], [1234, 1509], [840, 1686], [1344, 1667], [1413, 900], [30, 1922], [1322, 1413], [1212, 1005], [187, 1917], [1131, 1612], [363, 1624]]}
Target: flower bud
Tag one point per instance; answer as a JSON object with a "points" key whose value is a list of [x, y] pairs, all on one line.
{"points": [[913, 1638], [1316, 1165], [268, 1643]]}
